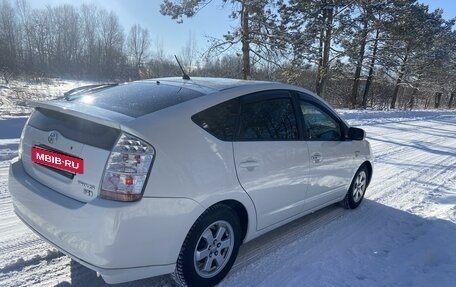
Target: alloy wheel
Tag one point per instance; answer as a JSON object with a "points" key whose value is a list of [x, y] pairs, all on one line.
{"points": [[213, 249]]}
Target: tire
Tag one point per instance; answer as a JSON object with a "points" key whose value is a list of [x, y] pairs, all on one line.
{"points": [[355, 193], [203, 263]]}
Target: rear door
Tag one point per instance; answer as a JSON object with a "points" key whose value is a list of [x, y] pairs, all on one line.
{"points": [[272, 162], [331, 155]]}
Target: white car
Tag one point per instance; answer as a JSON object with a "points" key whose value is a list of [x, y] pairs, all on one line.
{"points": [[172, 175]]}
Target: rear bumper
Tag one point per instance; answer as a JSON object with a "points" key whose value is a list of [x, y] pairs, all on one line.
{"points": [[121, 241]]}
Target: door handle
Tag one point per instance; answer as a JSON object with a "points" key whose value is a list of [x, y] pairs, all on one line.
{"points": [[249, 164], [316, 157]]}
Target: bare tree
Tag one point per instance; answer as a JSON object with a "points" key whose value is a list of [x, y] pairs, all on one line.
{"points": [[41, 38], [89, 30], [138, 46], [8, 40], [24, 12], [188, 53], [110, 43], [65, 38]]}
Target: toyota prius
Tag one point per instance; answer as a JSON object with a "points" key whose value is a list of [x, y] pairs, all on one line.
{"points": [[172, 175]]}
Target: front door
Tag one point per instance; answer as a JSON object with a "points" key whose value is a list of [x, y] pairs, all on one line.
{"points": [[331, 155]]}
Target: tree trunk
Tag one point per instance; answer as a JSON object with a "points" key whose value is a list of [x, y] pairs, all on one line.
{"points": [[437, 99], [396, 91], [450, 102], [359, 64], [371, 70], [320, 62], [245, 42], [399, 80], [322, 73], [412, 102], [412, 98]]}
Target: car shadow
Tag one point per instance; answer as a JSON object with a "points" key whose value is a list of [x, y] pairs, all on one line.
{"points": [[374, 245], [386, 236], [84, 277], [415, 144], [380, 118]]}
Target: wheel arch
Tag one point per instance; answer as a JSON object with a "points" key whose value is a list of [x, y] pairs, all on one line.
{"points": [[241, 203], [241, 212], [370, 169]]}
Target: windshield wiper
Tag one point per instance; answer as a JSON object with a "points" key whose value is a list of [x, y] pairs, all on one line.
{"points": [[71, 94]]}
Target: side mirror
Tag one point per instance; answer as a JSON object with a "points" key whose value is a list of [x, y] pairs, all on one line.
{"points": [[356, 134]]}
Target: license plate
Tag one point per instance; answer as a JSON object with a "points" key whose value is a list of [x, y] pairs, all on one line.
{"points": [[57, 160]]}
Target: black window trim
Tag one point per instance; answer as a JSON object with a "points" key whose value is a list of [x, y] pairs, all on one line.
{"points": [[296, 97]]}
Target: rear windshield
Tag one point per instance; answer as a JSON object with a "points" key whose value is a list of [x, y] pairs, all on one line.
{"points": [[138, 99]]}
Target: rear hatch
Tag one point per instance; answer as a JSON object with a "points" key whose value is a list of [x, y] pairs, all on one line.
{"points": [[86, 124], [81, 131]]}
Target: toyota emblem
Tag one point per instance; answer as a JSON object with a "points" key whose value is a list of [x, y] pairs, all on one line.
{"points": [[52, 138]]}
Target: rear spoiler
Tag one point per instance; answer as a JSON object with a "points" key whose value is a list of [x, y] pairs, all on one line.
{"points": [[87, 89], [91, 113]]}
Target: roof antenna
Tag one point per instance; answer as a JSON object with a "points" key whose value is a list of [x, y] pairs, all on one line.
{"points": [[184, 74]]}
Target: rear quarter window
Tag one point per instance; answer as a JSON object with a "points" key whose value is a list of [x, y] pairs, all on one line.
{"points": [[219, 120], [138, 99]]}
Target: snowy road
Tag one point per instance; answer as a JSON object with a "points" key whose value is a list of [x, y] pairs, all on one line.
{"points": [[404, 233]]}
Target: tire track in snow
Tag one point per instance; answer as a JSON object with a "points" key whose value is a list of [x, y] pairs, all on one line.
{"points": [[255, 250], [21, 244], [392, 181], [417, 165], [378, 136], [428, 168], [21, 263], [45, 271]]}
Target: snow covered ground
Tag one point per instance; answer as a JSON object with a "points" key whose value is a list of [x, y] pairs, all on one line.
{"points": [[13, 97], [404, 233]]}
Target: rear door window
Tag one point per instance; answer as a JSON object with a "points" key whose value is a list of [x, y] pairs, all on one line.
{"points": [[268, 116]]}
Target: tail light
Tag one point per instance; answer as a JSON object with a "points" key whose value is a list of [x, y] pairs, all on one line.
{"points": [[128, 167]]}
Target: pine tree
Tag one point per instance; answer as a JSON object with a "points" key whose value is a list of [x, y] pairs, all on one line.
{"points": [[314, 29], [255, 32]]}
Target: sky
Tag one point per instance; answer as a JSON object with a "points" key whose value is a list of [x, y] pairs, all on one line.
{"points": [[212, 21]]}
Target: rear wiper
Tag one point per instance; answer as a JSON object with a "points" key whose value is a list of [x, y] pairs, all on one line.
{"points": [[70, 95]]}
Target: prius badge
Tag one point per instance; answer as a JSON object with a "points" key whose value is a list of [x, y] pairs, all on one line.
{"points": [[53, 136]]}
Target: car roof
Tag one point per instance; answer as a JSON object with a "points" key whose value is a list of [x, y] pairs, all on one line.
{"points": [[206, 85]]}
